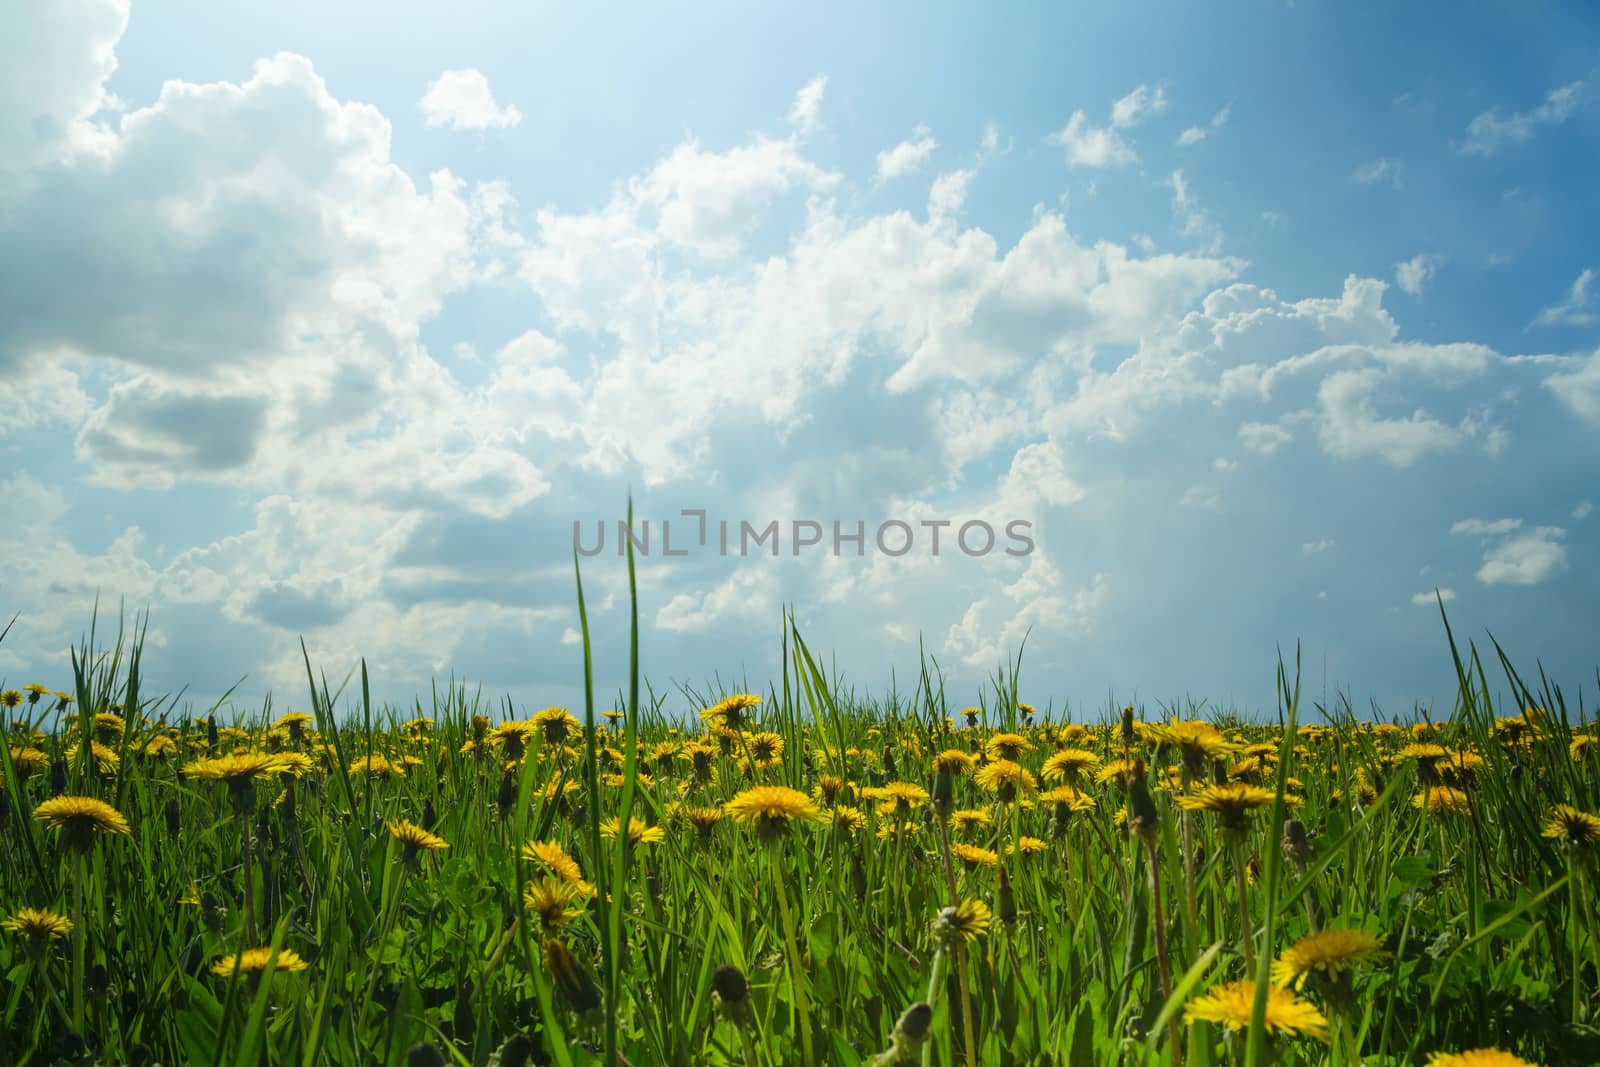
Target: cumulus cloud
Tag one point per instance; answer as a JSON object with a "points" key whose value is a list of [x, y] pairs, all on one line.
{"points": [[1092, 146], [1412, 275], [805, 113], [1526, 559], [1311, 548], [1138, 105], [462, 100], [1433, 596], [1576, 383], [906, 156], [1493, 130]]}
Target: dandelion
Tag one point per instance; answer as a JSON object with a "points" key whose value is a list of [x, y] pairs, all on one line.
{"points": [[1442, 800], [1478, 1057], [901, 798], [555, 859], [847, 820], [29, 761], [414, 838], [37, 927], [1329, 953], [1006, 746], [974, 857], [1068, 764], [1006, 780], [376, 767], [239, 771], [954, 761], [704, 820], [730, 712], [1231, 803], [964, 922], [639, 832], [772, 808], [106, 760], [1232, 1004], [79, 820], [730, 991], [970, 819], [254, 961], [555, 901], [11, 698], [1575, 829], [1028, 846], [556, 724]]}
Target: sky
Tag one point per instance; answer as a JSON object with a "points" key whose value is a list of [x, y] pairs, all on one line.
{"points": [[1244, 329]]}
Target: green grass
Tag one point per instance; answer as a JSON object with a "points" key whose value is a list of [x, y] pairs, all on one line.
{"points": [[1488, 925]]}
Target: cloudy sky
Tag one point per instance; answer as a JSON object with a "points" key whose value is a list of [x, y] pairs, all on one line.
{"points": [[328, 321]]}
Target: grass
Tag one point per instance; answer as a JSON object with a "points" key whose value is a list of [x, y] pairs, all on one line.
{"points": [[978, 918]]}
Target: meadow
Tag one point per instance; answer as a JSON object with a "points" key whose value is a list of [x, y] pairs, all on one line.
{"points": [[794, 876]]}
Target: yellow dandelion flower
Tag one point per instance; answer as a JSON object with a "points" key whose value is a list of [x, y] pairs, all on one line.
{"points": [[975, 857], [414, 838], [1442, 799], [1231, 803], [639, 832], [1006, 780], [38, 924], [772, 808], [79, 819], [847, 819], [1006, 746], [898, 798], [953, 761], [1068, 764], [29, 761], [239, 766], [555, 901], [1232, 1004], [1573, 827], [1478, 1057], [1329, 952], [106, 760], [253, 961], [966, 921], [1028, 846], [376, 766], [557, 861], [970, 819]]}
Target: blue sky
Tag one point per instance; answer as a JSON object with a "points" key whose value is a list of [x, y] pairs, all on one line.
{"points": [[329, 321]]}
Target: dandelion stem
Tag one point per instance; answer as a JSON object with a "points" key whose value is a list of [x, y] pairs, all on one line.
{"points": [[77, 942], [1246, 933], [792, 951]]}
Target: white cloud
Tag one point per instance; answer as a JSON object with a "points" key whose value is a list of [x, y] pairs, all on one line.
{"points": [[1092, 146], [1428, 599], [1578, 388], [1192, 221], [1485, 527], [1584, 509], [1526, 559], [1222, 463], [1349, 426], [462, 100], [1493, 130], [1204, 497], [1191, 135], [1311, 548], [1390, 171], [1412, 275], [54, 63], [949, 194], [1575, 310], [906, 156], [806, 111], [1264, 437], [1138, 105]]}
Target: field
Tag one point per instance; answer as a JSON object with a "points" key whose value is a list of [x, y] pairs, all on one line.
{"points": [[795, 876]]}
